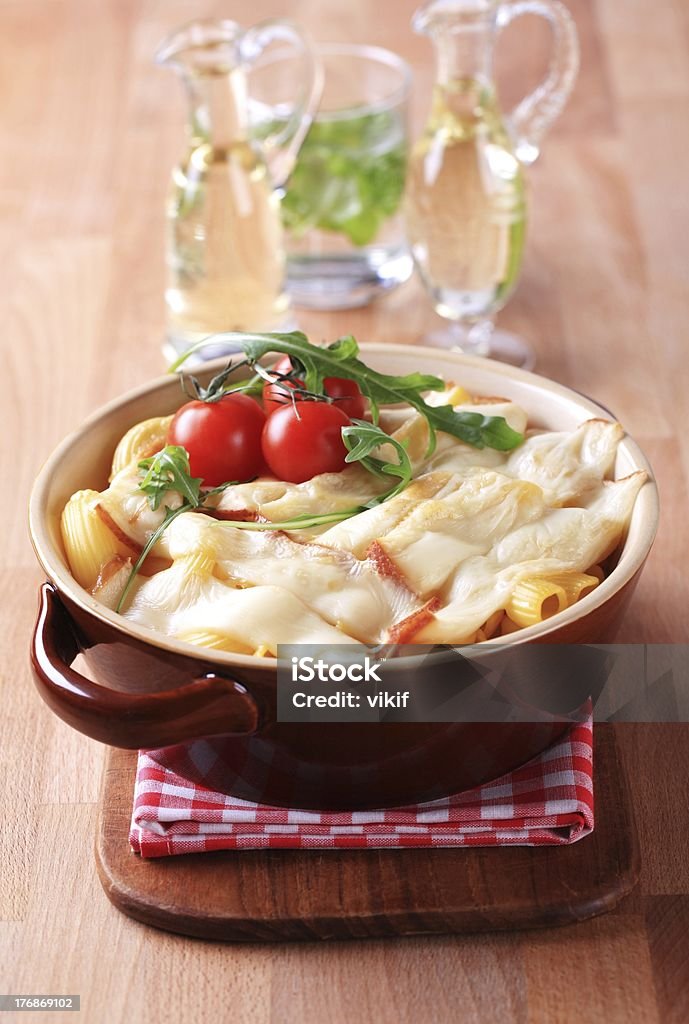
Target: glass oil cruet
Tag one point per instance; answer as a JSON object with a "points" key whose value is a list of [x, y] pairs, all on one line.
{"points": [[465, 203], [225, 257]]}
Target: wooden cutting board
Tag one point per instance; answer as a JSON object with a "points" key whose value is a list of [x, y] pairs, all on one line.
{"points": [[262, 896]]}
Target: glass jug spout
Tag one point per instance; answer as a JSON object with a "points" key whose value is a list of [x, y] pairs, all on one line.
{"points": [[464, 33], [215, 59], [206, 46], [207, 56]]}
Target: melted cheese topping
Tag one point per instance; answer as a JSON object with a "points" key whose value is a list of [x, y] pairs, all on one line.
{"points": [[567, 466], [181, 602], [442, 532], [434, 564], [346, 592], [562, 539], [129, 509]]}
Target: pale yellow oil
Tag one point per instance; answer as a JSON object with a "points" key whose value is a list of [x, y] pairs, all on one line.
{"points": [[225, 253], [465, 205]]}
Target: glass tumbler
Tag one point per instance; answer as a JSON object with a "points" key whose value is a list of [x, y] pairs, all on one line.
{"points": [[341, 209]]}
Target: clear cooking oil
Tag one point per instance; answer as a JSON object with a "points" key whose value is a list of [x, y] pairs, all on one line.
{"points": [[225, 257], [465, 204]]}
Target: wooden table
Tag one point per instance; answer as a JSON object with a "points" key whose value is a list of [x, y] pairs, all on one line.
{"points": [[89, 131]]}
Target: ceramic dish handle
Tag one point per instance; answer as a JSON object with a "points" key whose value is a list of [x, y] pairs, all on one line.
{"points": [[206, 706]]}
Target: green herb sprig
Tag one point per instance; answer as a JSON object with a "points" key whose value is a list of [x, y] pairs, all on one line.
{"points": [[361, 439], [169, 471], [341, 360]]}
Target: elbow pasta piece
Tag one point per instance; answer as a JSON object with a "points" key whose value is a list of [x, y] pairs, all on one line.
{"points": [[140, 441], [537, 598], [89, 543], [575, 584], [534, 599]]}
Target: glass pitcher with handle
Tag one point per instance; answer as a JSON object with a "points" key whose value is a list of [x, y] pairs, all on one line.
{"points": [[465, 204], [225, 257]]}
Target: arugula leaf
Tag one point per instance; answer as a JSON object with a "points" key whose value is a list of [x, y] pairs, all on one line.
{"points": [[341, 360], [361, 439], [337, 360], [475, 429], [169, 471]]}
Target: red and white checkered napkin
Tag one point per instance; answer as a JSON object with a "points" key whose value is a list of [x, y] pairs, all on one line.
{"points": [[548, 801]]}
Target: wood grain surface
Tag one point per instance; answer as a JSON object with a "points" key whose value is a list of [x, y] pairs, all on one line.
{"points": [[89, 131]]}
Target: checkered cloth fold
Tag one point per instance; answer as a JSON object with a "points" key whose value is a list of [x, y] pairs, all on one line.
{"points": [[548, 801]]}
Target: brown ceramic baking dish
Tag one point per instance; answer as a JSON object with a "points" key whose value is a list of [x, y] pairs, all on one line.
{"points": [[157, 692]]}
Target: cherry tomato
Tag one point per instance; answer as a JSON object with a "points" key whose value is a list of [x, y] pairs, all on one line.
{"points": [[223, 438], [347, 395], [283, 365], [346, 392], [304, 440], [274, 395]]}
